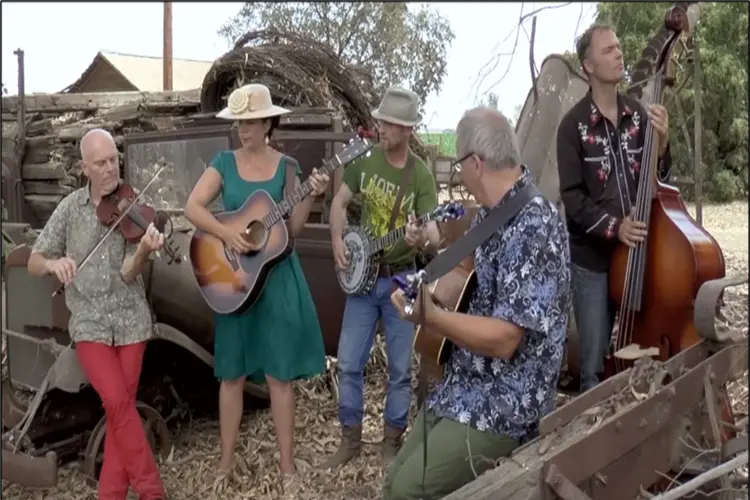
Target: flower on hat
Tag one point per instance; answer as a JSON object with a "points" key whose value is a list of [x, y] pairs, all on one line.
{"points": [[256, 101], [239, 101]]}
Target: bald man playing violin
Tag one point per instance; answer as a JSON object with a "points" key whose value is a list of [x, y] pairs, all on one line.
{"points": [[110, 319]]}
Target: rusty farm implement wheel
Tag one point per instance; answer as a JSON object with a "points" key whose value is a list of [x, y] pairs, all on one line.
{"points": [[157, 433]]}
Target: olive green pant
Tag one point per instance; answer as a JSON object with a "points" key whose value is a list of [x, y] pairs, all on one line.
{"points": [[456, 455]]}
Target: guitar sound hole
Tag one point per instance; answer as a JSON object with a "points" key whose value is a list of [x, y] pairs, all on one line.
{"points": [[256, 235]]}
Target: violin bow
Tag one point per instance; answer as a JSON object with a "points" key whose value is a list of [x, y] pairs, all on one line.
{"points": [[124, 213]]}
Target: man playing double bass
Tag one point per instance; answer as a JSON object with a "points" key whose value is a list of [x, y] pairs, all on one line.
{"points": [[110, 318], [600, 144]]}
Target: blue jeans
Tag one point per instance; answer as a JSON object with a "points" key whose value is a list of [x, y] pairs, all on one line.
{"points": [[361, 316], [595, 318]]}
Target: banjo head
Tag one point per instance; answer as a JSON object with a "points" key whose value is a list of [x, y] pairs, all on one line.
{"points": [[359, 277]]}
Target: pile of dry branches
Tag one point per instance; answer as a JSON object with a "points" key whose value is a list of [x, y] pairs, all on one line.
{"points": [[299, 72]]}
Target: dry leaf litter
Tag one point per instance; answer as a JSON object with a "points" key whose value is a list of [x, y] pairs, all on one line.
{"points": [[189, 470]]}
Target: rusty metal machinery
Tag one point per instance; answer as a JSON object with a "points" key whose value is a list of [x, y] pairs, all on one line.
{"points": [[157, 433], [653, 424]]}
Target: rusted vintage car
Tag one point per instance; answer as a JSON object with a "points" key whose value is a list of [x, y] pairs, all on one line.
{"points": [[66, 416]]}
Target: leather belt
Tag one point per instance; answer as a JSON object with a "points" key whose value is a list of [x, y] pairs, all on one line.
{"points": [[388, 271]]}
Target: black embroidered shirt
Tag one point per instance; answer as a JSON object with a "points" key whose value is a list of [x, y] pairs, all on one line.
{"points": [[599, 165]]}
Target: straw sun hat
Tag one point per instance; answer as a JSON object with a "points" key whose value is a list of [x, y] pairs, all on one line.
{"points": [[251, 102]]}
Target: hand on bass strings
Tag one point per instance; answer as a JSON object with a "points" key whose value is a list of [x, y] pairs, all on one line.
{"points": [[414, 235], [318, 182], [631, 231], [340, 254], [236, 241], [64, 269], [659, 117], [152, 240]]}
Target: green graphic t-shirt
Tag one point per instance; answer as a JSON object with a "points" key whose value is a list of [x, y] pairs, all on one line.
{"points": [[378, 181]]}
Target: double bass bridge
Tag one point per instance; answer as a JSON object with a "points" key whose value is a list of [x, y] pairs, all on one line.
{"points": [[635, 351]]}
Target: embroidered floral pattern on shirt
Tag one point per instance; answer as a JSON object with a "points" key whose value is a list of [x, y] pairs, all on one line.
{"points": [[610, 232]]}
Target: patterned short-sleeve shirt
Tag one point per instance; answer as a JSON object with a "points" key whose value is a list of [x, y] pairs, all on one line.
{"points": [[523, 277], [103, 307]]}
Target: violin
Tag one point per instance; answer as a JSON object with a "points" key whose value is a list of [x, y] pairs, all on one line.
{"points": [[121, 210], [136, 221]]}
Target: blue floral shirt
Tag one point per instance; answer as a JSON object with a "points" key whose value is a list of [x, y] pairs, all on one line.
{"points": [[523, 276]]}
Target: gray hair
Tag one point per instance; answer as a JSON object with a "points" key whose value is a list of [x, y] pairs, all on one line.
{"points": [[93, 133], [488, 134]]}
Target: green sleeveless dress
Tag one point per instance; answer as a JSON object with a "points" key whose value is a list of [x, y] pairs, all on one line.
{"points": [[280, 334]]}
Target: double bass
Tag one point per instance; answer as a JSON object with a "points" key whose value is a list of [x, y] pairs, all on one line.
{"points": [[655, 283]]}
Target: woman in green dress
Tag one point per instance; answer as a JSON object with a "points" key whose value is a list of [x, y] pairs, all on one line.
{"points": [[278, 339]]}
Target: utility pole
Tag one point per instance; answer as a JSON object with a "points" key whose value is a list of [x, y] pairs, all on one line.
{"points": [[167, 56]]}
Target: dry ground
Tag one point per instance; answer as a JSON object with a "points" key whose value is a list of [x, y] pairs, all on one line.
{"points": [[188, 473]]}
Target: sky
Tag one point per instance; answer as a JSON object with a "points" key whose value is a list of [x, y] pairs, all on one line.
{"points": [[60, 40]]}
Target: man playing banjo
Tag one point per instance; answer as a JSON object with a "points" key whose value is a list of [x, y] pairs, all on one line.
{"points": [[395, 184]]}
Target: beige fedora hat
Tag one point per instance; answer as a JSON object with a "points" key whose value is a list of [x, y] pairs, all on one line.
{"points": [[250, 102], [399, 106]]}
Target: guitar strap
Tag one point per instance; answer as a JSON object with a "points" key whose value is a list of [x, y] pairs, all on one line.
{"points": [[497, 218], [290, 173], [406, 176], [449, 259]]}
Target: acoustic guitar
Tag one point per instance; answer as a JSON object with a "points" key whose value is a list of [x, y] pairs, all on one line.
{"points": [[451, 292], [231, 282]]}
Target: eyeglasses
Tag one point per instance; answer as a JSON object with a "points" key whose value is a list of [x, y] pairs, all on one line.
{"points": [[456, 165]]}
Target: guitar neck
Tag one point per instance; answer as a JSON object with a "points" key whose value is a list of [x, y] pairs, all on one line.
{"points": [[395, 235], [285, 206]]}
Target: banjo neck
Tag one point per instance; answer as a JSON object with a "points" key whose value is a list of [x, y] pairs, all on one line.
{"points": [[395, 235]]}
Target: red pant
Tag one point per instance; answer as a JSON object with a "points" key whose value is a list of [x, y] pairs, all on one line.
{"points": [[128, 459]]}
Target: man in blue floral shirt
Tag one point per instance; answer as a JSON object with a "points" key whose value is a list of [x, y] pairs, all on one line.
{"points": [[502, 373]]}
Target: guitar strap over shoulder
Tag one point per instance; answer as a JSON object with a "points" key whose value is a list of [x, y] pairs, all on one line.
{"points": [[466, 244], [406, 176], [290, 173]]}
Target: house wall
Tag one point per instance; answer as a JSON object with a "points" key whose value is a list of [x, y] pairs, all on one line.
{"points": [[104, 78]]}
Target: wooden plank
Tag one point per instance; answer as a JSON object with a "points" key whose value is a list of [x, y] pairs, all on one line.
{"points": [[41, 140], [76, 132], [43, 202], [43, 171], [582, 447], [43, 187], [95, 100], [295, 120]]}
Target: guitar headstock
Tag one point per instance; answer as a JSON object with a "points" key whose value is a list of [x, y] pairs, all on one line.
{"points": [[356, 147], [448, 210], [410, 285]]}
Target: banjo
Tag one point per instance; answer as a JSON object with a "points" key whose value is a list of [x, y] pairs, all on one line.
{"points": [[359, 277]]}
